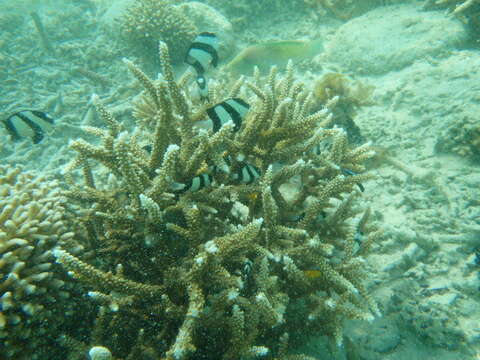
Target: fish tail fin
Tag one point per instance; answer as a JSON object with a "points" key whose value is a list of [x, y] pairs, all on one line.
{"points": [[315, 47]]}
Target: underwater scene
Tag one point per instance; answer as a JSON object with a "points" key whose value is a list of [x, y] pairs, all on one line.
{"points": [[248, 179]]}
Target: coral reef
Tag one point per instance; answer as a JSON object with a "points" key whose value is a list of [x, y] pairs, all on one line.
{"points": [[35, 304], [148, 21], [230, 270], [351, 95], [461, 138]]}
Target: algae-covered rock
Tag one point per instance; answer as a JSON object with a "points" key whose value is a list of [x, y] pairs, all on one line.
{"points": [[391, 38]]}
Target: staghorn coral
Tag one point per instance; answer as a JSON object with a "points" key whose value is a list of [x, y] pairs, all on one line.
{"points": [[233, 270], [148, 21], [35, 303]]}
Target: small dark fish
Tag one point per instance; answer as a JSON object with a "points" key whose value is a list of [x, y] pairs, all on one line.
{"points": [[148, 148], [197, 183], [295, 218], [28, 123], [203, 52], [233, 109], [247, 174], [359, 237], [348, 172], [477, 258]]}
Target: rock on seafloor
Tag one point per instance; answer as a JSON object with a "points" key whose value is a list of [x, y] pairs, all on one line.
{"points": [[393, 37], [207, 18]]}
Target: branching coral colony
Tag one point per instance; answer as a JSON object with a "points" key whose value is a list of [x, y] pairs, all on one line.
{"points": [[236, 269]]}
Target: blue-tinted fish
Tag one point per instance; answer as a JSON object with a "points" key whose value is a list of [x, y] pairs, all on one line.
{"points": [[476, 260], [33, 124], [233, 109]]}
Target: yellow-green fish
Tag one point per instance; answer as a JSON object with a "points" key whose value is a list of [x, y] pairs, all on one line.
{"points": [[312, 274], [273, 53]]}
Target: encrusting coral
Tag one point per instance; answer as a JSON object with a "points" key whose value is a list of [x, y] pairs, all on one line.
{"points": [[236, 269], [148, 21], [35, 303]]}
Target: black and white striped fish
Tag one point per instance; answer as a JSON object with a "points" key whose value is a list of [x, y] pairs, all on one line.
{"points": [[203, 52], [33, 124], [197, 183], [247, 174], [202, 86], [233, 109]]}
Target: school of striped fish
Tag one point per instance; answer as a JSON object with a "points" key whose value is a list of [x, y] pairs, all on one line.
{"points": [[201, 55]]}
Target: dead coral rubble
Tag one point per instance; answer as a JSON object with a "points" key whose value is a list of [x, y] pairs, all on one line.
{"points": [[235, 269]]}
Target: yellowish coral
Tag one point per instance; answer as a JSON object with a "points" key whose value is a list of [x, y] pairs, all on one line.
{"points": [[148, 21], [220, 273], [32, 223]]}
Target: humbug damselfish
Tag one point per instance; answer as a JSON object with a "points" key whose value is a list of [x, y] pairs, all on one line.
{"points": [[233, 109], [33, 124]]}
